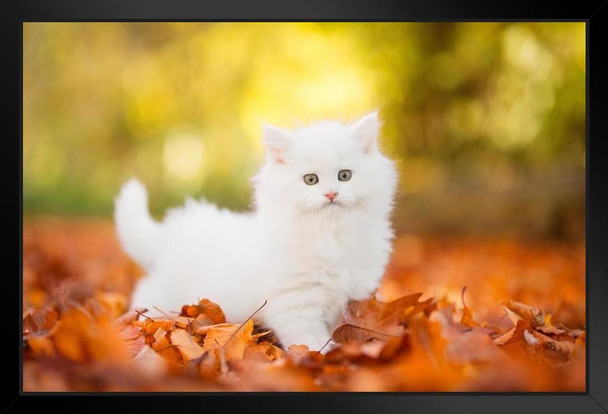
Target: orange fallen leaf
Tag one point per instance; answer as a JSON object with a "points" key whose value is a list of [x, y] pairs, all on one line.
{"points": [[132, 338], [561, 347], [467, 315], [528, 312], [231, 338], [29, 325], [150, 326], [115, 302], [263, 351], [296, 352], [41, 345], [207, 308], [370, 319], [160, 340], [514, 334], [80, 339], [151, 363], [348, 333], [558, 334], [186, 345]]}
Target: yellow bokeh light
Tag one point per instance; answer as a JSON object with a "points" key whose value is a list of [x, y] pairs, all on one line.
{"points": [[183, 157], [102, 101]]}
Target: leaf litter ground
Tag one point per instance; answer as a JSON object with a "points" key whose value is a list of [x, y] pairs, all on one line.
{"points": [[519, 326]]}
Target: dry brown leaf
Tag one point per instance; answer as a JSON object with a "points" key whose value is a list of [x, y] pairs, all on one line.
{"points": [[514, 334], [134, 341], [204, 320], [209, 366], [79, 338], [190, 311], [160, 340], [207, 308], [150, 326], [212, 310], [29, 325], [263, 351], [561, 347], [370, 319], [232, 338], [347, 333], [128, 318], [186, 345], [514, 317], [40, 322], [296, 352], [467, 315], [150, 363], [115, 302], [530, 313], [41, 345], [558, 334]]}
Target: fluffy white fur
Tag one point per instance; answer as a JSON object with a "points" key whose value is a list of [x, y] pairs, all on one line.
{"points": [[307, 256]]}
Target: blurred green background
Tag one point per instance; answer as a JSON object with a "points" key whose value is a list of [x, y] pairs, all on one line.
{"points": [[487, 120]]}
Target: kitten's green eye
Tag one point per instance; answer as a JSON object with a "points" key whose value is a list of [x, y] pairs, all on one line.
{"points": [[311, 179], [344, 175]]}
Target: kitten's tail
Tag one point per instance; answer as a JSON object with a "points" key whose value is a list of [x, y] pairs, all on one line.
{"points": [[139, 234]]}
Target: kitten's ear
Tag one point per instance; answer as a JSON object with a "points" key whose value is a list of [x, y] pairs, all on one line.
{"points": [[278, 143], [366, 131]]}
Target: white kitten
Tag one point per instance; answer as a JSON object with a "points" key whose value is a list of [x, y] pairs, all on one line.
{"points": [[320, 235]]}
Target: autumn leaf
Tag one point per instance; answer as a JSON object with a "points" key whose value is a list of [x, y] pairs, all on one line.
{"points": [[150, 326], [464, 346], [514, 317], [207, 308], [231, 338], [296, 352], [368, 351], [40, 322], [186, 345], [371, 319], [160, 340], [41, 345], [128, 318], [535, 338], [132, 338], [29, 325], [536, 316], [558, 334], [467, 315], [79, 338], [150, 363], [515, 333], [115, 302], [190, 311], [264, 351], [348, 333]]}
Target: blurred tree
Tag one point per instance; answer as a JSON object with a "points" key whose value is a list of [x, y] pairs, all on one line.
{"points": [[487, 120]]}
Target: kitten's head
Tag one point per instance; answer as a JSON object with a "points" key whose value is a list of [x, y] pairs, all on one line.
{"points": [[326, 168]]}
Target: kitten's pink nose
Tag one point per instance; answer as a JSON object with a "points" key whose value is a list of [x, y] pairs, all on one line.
{"points": [[331, 195]]}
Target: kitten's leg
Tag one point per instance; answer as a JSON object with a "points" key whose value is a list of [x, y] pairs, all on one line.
{"points": [[303, 317], [297, 330]]}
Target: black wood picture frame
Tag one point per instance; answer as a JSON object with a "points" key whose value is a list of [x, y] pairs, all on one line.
{"points": [[13, 13]]}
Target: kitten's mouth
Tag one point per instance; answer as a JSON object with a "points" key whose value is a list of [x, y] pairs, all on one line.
{"points": [[331, 204]]}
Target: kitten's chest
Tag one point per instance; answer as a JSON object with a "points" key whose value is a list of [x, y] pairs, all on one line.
{"points": [[330, 251], [328, 247]]}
